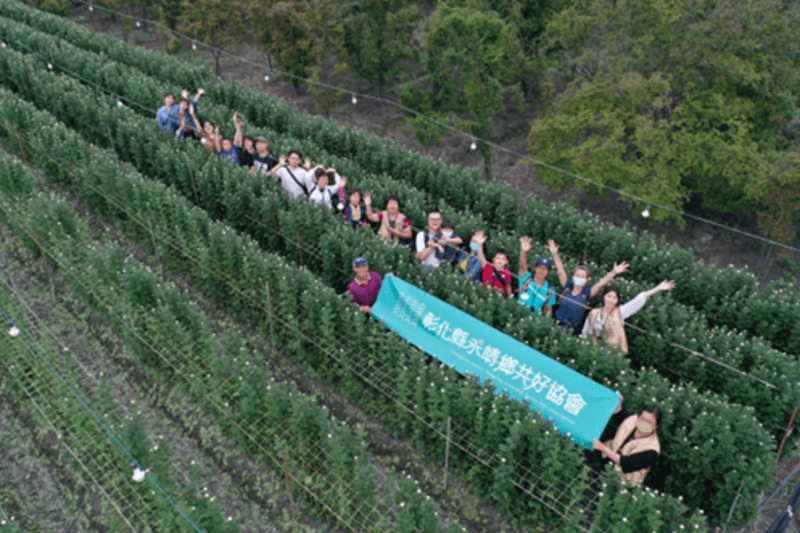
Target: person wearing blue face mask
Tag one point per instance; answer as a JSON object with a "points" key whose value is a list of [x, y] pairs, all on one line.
{"points": [[470, 261], [450, 243], [576, 294]]}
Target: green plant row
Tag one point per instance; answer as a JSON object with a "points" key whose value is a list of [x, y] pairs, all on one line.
{"points": [[674, 324], [766, 317], [397, 358], [103, 462], [155, 318], [587, 364], [317, 225]]}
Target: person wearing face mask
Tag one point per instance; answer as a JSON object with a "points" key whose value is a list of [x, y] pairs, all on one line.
{"points": [[450, 243], [576, 294], [608, 322], [635, 447], [470, 260]]}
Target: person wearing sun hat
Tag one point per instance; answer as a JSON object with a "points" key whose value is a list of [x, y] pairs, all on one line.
{"points": [[365, 287], [535, 292], [635, 447]]}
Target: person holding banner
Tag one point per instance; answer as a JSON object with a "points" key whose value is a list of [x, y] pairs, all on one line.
{"points": [[608, 321], [536, 293], [635, 447], [365, 287]]}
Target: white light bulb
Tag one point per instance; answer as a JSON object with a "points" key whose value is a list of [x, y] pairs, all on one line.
{"points": [[194, 46], [139, 474], [4, 44], [354, 99], [119, 101], [646, 212], [266, 77], [14, 331], [91, 8], [138, 24], [473, 146], [50, 66]]}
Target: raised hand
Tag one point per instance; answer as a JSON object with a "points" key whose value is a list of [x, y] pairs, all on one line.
{"points": [[666, 285], [185, 94], [343, 181], [480, 237], [552, 247], [620, 268], [525, 244], [307, 162], [282, 159], [368, 199]]}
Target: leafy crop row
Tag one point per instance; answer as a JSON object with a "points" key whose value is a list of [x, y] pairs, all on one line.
{"points": [[585, 360], [155, 319], [728, 295], [323, 313], [85, 443]]}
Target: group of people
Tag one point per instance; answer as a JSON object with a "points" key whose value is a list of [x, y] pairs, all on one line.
{"points": [[635, 447]]}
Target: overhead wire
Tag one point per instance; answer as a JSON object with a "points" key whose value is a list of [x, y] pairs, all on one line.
{"points": [[449, 127]]}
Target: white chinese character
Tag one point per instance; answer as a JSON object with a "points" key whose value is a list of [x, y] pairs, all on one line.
{"points": [[507, 365], [490, 355], [524, 373], [430, 321], [556, 393], [460, 337], [417, 308], [473, 347], [538, 382], [574, 404], [443, 329]]}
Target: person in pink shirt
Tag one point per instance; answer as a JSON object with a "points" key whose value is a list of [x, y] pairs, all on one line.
{"points": [[365, 287]]}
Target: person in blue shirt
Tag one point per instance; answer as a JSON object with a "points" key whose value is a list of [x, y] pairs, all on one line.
{"points": [[536, 293], [167, 116], [187, 115], [231, 150], [576, 295]]}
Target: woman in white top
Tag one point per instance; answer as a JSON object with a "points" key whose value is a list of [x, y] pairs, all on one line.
{"points": [[608, 321], [323, 193]]}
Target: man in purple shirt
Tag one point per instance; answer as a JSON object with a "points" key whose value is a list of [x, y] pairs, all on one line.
{"points": [[366, 285]]}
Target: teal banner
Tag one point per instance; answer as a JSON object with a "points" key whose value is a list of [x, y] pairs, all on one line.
{"points": [[578, 406]]}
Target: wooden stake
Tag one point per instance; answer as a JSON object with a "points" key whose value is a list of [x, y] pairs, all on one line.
{"points": [[288, 480], [72, 179], [19, 141], [271, 330], [786, 435], [44, 256], [299, 247], [194, 187], [153, 237], [446, 452]]}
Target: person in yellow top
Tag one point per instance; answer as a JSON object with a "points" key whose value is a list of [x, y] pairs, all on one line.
{"points": [[635, 447]]}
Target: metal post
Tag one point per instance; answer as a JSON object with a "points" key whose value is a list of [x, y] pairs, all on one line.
{"points": [[44, 256], [271, 330], [786, 435], [446, 452]]}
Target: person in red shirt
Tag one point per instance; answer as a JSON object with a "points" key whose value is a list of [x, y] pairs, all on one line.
{"points": [[496, 274]]}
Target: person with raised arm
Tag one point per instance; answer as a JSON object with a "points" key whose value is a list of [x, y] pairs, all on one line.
{"points": [[231, 150], [536, 293], [324, 193], [575, 295], [496, 274], [395, 225], [635, 448], [297, 180], [608, 322]]}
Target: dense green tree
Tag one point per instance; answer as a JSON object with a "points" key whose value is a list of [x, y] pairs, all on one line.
{"points": [[379, 39], [217, 23], [306, 39], [665, 99], [469, 57]]}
